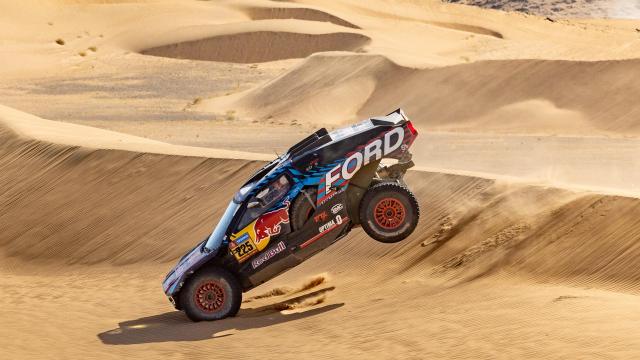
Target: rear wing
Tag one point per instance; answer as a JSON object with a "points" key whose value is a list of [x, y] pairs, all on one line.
{"points": [[316, 139], [396, 117]]}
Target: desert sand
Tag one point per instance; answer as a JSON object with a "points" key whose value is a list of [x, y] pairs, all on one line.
{"points": [[125, 126]]}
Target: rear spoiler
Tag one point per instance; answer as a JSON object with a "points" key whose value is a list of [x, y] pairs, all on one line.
{"points": [[396, 117], [400, 112], [311, 140]]}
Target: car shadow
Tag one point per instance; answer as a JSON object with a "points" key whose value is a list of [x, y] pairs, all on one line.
{"points": [[174, 325]]}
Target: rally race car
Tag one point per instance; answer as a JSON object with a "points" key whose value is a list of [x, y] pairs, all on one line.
{"points": [[296, 206]]}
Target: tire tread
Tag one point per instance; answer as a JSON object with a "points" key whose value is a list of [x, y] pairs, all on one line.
{"points": [[388, 186]]}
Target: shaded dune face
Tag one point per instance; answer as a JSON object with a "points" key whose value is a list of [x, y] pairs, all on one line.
{"points": [[262, 13], [69, 205], [468, 28], [260, 46]]}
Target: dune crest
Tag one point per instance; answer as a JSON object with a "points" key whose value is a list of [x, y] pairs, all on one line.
{"points": [[31, 127], [300, 13]]}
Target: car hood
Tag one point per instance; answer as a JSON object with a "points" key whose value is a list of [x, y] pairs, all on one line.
{"points": [[185, 267]]}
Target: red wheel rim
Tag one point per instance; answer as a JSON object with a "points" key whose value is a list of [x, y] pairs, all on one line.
{"points": [[209, 296], [389, 213]]}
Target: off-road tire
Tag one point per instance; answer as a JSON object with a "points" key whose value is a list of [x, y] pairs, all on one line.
{"points": [[301, 210], [211, 294], [389, 212]]}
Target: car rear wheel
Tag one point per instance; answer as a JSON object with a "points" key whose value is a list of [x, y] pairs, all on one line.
{"points": [[211, 294], [389, 212]]}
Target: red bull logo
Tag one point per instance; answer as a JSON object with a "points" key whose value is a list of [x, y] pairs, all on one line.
{"points": [[256, 236], [269, 224]]}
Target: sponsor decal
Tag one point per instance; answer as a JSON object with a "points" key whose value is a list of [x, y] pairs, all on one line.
{"points": [[321, 217], [331, 224], [269, 224], [242, 250], [373, 151], [267, 254], [336, 208], [330, 196], [325, 229], [242, 238], [256, 236]]}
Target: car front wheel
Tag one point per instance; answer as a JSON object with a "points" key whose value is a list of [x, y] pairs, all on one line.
{"points": [[211, 294]]}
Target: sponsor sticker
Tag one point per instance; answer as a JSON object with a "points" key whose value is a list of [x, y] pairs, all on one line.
{"points": [[267, 254], [242, 238], [331, 224], [321, 217], [336, 208], [374, 150], [269, 224], [256, 236], [325, 229], [242, 250], [330, 196]]}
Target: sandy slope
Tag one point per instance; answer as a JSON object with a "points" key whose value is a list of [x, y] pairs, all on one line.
{"points": [[92, 219]]}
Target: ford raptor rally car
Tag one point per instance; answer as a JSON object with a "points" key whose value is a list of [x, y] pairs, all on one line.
{"points": [[296, 206]]}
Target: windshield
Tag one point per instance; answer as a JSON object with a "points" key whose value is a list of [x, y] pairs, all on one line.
{"points": [[215, 240], [264, 200]]}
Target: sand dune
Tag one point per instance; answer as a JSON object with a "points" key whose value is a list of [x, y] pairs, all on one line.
{"points": [[325, 79], [526, 96], [598, 91], [109, 222], [77, 205], [31, 127]]}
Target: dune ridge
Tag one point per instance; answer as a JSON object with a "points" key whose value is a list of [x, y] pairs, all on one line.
{"points": [[300, 13]]}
